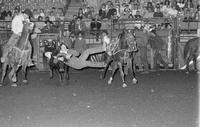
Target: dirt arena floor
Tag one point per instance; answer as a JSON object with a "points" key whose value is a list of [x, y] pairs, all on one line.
{"points": [[160, 99]]}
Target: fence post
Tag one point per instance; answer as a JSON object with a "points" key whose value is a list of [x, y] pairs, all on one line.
{"points": [[176, 40]]}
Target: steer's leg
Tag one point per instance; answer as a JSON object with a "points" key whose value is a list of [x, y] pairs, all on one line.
{"points": [[4, 68], [132, 68], [114, 70], [122, 74]]}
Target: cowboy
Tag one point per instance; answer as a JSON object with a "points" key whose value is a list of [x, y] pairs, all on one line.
{"points": [[105, 40], [157, 45], [17, 27], [78, 62]]}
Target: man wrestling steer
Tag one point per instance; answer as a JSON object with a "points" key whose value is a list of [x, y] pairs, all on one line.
{"points": [[70, 57]]}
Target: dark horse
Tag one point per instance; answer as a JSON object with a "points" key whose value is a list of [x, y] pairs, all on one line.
{"points": [[56, 65], [192, 52], [20, 55], [121, 56]]}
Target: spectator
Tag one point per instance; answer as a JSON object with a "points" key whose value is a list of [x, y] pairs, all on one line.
{"points": [[61, 16], [92, 12], [53, 9], [143, 50], [52, 17], [35, 15], [80, 13], [148, 14], [102, 11], [118, 10], [133, 8], [48, 28], [150, 6], [17, 10], [157, 44], [80, 43], [130, 16], [197, 13], [71, 41], [122, 8], [111, 11], [96, 23], [3, 15], [137, 15], [87, 12], [8, 16], [158, 13], [40, 24], [108, 5], [41, 13], [188, 16], [79, 26], [84, 9], [72, 24]]}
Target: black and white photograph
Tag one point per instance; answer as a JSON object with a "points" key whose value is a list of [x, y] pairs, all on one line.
{"points": [[99, 63]]}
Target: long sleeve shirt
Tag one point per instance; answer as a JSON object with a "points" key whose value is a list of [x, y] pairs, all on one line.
{"points": [[80, 45], [17, 24]]}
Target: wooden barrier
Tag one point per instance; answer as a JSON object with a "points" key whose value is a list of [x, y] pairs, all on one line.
{"points": [[41, 62]]}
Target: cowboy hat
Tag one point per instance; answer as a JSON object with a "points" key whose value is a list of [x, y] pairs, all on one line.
{"points": [[28, 12]]}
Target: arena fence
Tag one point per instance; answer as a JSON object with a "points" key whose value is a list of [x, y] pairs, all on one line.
{"points": [[174, 36]]}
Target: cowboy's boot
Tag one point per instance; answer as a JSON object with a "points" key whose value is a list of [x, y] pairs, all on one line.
{"points": [[30, 63]]}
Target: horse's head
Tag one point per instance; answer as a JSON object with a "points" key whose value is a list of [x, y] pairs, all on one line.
{"points": [[132, 42], [113, 46], [28, 26]]}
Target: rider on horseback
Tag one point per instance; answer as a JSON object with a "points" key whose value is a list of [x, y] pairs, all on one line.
{"points": [[17, 27], [105, 40]]}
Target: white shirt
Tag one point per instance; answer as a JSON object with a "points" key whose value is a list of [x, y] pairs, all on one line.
{"points": [[106, 41], [17, 24], [63, 49]]}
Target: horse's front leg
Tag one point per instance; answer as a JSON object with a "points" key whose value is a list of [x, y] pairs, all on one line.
{"points": [[13, 76], [4, 68], [24, 74], [108, 62], [103, 75], [51, 72], [132, 68], [122, 74], [195, 62], [66, 72], [114, 70], [188, 63]]}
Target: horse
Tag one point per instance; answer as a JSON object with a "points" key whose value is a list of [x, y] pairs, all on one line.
{"points": [[119, 57], [192, 52], [56, 65], [20, 55]]}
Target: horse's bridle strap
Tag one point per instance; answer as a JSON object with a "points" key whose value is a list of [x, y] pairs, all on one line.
{"points": [[17, 48]]}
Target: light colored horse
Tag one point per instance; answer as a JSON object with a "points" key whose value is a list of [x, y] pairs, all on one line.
{"points": [[20, 55]]}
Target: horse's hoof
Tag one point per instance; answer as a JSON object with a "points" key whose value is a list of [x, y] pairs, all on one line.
{"points": [[134, 81], [110, 81], [14, 84], [124, 85], [25, 81], [101, 77], [187, 72], [1, 84], [14, 79]]}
